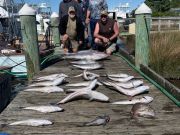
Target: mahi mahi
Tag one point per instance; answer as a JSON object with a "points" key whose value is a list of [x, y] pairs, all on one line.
{"points": [[32, 122], [145, 100]]}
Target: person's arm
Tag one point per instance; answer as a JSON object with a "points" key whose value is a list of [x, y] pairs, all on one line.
{"points": [[88, 16], [97, 35], [80, 30], [116, 32], [62, 27]]}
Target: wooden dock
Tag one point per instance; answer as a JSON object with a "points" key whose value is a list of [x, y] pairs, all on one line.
{"points": [[77, 112]]}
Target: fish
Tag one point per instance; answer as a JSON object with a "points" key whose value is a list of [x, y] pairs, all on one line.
{"points": [[85, 94], [48, 83], [118, 75], [48, 89], [81, 84], [32, 122], [45, 109], [121, 79], [144, 99], [90, 86], [142, 110], [88, 56], [126, 85], [100, 120], [83, 62], [89, 66], [50, 77], [89, 76], [131, 92]]}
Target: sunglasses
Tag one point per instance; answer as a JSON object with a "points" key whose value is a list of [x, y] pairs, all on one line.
{"points": [[103, 16]]}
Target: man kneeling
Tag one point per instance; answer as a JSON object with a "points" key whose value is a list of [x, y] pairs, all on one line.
{"points": [[106, 33], [72, 31]]}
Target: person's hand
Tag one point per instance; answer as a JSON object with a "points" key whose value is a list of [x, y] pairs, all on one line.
{"points": [[105, 40], [87, 20], [65, 37], [80, 42]]}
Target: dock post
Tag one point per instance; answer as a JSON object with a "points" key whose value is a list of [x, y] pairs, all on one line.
{"points": [[143, 23], [55, 30], [30, 40]]}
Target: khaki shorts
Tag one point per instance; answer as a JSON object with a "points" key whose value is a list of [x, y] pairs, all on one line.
{"points": [[112, 48]]}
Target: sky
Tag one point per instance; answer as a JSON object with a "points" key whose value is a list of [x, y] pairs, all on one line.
{"points": [[111, 3]]}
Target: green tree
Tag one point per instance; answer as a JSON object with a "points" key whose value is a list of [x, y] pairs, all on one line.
{"points": [[175, 4]]}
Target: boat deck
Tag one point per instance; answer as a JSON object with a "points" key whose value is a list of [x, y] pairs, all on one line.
{"points": [[79, 111]]}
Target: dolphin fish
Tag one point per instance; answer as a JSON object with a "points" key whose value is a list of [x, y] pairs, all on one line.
{"points": [[142, 110], [45, 109], [145, 100], [32, 122]]}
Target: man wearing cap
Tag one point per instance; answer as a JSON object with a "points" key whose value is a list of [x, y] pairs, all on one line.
{"points": [[72, 31], [106, 33]]}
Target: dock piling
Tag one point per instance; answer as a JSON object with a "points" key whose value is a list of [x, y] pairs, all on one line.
{"points": [[143, 21], [30, 40]]}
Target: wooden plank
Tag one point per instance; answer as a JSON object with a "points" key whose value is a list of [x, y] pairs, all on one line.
{"points": [[80, 111]]}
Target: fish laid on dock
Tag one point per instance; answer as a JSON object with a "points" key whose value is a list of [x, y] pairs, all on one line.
{"points": [[94, 55], [131, 92], [83, 62], [89, 87], [125, 79], [32, 122], [85, 94], [142, 110], [100, 120], [126, 85], [118, 75], [145, 100], [45, 109], [89, 75], [48, 89], [81, 84], [50, 77], [89, 66], [56, 82]]}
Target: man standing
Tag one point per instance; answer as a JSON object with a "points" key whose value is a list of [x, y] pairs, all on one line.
{"points": [[64, 6], [93, 14], [71, 30], [106, 33]]}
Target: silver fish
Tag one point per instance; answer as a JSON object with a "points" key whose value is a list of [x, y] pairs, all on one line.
{"points": [[49, 83], [89, 76], [87, 94], [89, 66], [131, 92], [89, 87], [142, 110], [48, 89], [87, 56], [121, 79], [50, 77], [118, 75], [100, 120], [145, 100], [45, 109], [81, 84], [127, 85], [83, 62], [32, 122]]}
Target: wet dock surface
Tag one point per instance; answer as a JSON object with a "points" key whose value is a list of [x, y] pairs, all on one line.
{"points": [[79, 111]]}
